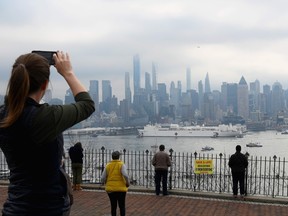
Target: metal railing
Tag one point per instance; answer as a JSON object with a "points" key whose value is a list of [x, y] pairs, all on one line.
{"points": [[266, 176]]}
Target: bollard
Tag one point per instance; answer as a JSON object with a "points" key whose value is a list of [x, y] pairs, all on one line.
{"points": [[171, 168]]}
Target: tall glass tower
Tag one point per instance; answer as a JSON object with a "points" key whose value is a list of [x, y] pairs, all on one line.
{"points": [[207, 84], [148, 82], [94, 92], [106, 90], [127, 87], [136, 72], [154, 76], [188, 79]]}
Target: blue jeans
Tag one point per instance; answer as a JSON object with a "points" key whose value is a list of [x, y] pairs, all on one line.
{"points": [[117, 197], [161, 175]]}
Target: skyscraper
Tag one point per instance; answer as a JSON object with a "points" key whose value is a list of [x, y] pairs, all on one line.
{"points": [[277, 98], [232, 96], [207, 84], [106, 90], [147, 83], [128, 96], [243, 99], [136, 73], [268, 98], [201, 97], [188, 79], [223, 100], [154, 77], [162, 94], [174, 96], [94, 92]]}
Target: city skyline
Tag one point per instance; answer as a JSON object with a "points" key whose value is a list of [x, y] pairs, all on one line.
{"points": [[226, 39]]}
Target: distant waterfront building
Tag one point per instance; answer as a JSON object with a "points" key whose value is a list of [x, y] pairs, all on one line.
{"points": [[195, 101], [201, 97], [162, 93], [232, 97], [242, 99], [188, 79], [128, 95], [255, 87], [124, 110], [255, 96], [186, 107], [268, 99], [148, 87], [207, 84], [94, 93], [217, 101], [106, 90], [154, 77], [179, 88], [136, 73], [114, 104], [223, 100], [208, 107], [277, 98], [106, 104], [140, 97], [174, 99], [69, 98]]}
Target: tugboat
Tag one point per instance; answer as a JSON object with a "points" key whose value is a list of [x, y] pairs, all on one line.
{"points": [[254, 144], [207, 148]]}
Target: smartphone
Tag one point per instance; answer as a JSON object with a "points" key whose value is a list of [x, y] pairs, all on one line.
{"points": [[47, 54]]}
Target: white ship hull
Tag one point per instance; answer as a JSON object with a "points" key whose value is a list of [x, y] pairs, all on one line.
{"points": [[190, 131]]}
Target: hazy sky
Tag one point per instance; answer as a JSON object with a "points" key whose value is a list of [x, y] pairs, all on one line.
{"points": [[227, 39]]}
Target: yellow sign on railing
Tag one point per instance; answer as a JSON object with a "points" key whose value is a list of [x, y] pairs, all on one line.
{"points": [[203, 167]]}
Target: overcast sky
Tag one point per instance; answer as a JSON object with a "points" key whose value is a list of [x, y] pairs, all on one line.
{"points": [[227, 39]]}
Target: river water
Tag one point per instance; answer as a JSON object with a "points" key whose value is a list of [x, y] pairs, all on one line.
{"points": [[273, 143]]}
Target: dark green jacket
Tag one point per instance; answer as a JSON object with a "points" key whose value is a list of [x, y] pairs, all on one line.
{"points": [[33, 147]]}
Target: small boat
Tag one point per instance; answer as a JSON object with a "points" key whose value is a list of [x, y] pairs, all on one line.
{"points": [[284, 132], [254, 144], [94, 135], [207, 148]]}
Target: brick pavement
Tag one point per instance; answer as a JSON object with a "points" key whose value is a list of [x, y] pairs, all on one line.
{"points": [[96, 203]]}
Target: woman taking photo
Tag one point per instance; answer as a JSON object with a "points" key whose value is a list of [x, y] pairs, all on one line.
{"points": [[31, 136]]}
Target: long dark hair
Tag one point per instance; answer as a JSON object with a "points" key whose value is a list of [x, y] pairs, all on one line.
{"points": [[29, 72]]}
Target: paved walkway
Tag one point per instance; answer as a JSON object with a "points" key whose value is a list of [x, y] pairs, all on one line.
{"points": [[96, 203]]}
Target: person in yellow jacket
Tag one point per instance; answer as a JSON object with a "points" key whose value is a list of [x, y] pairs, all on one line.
{"points": [[116, 182]]}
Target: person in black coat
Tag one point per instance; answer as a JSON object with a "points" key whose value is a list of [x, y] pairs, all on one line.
{"points": [[76, 156], [238, 162]]}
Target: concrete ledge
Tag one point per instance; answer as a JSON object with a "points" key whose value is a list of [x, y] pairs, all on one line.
{"points": [[188, 193], [207, 195]]}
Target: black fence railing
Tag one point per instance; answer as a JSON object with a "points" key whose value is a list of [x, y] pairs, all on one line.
{"points": [[265, 176]]}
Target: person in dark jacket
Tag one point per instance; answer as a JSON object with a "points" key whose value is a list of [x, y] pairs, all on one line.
{"points": [[238, 162], [76, 156], [31, 136], [161, 161]]}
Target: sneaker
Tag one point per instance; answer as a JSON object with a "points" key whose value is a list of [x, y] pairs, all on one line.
{"points": [[235, 196]]}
